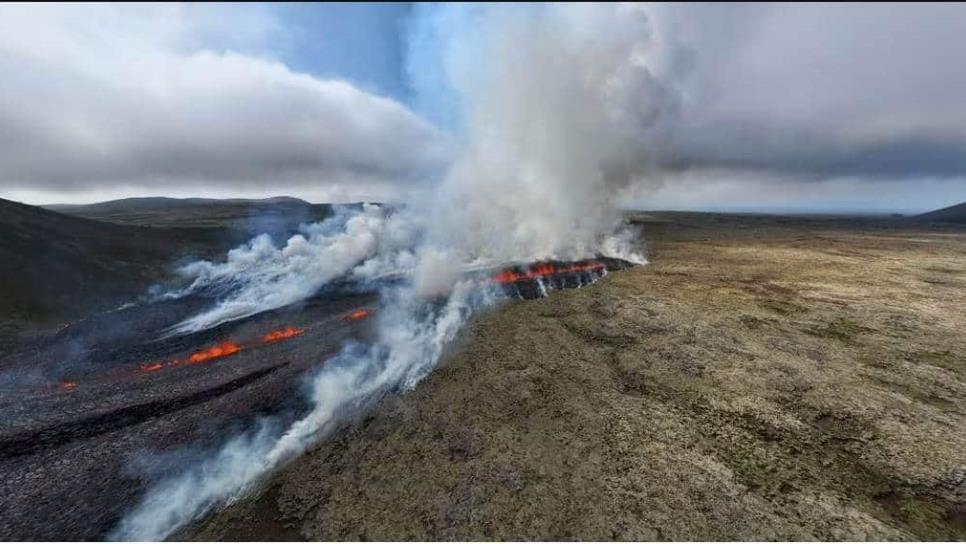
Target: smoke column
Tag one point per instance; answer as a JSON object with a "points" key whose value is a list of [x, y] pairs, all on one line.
{"points": [[556, 103], [559, 102]]}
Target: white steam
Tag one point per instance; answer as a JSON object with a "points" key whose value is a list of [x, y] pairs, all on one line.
{"points": [[260, 276], [558, 102], [558, 107], [412, 335]]}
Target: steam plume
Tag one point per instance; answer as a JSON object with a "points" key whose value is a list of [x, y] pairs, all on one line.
{"points": [[260, 277], [556, 104]]}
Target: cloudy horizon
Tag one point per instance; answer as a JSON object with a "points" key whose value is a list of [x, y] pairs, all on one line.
{"points": [[741, 107]]}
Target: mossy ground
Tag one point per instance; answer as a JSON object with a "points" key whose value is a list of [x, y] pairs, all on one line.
{"points": [[761, 379]]}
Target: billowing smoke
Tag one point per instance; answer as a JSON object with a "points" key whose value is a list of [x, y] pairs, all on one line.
{"points": [[260, 276], [559, 102], [413, 331], [556, 104]]}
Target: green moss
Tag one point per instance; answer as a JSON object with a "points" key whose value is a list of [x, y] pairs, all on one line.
{"points": [[944, 269], [925, 517], [943, 359], [844, 330], [752, 322], [782, 307]]}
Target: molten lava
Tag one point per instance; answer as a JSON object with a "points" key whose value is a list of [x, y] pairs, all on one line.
{"points": [[223, 349], [542, 270], [282, 334], [152, 367], [227, 348], [358, 314]]}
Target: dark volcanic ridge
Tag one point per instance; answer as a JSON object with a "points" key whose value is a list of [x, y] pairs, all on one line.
{"points": [[278, 217], [951, 214], [62, 263]]}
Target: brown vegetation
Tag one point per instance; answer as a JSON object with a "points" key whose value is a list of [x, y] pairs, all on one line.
{"points": [[763, 378]]}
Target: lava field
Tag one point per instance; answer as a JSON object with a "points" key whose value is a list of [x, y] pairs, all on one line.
{"points": [[98, 410]]}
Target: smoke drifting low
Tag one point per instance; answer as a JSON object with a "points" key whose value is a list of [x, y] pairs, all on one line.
{"points": [[546, 145], [413, 332], [260, 276]]}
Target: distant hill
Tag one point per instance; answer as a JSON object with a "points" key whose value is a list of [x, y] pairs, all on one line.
{"points": [[952, 214], [158, 202], [54, 267], [238, 219], [194, 212]]}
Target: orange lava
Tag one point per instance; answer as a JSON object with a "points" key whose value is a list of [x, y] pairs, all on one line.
{"points": [[223, 349], [542, 270], [357, 315], [282, 334]]}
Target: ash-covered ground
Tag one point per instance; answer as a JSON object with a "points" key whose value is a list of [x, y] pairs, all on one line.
{"points": [[763, 378], [101, 409], [99, 399], [97, 412]]}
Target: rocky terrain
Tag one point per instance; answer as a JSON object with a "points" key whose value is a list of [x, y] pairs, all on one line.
{"points": [[95, 397], [104, 405], [98, 412], [763, 378]]}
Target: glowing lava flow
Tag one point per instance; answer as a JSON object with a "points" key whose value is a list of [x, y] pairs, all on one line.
{"points": [[283, 334], [543, 270], [223, 349], [227, 347], [357, 315]]}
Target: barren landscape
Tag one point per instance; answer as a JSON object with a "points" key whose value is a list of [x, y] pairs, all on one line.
{"points": [[762, 378], [452, 271], [108, 389]]}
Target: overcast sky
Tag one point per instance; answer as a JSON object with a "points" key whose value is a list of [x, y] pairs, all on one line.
{"points": [[811, 107]]}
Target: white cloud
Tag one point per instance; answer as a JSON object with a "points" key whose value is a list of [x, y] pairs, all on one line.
{"points": [[817, 89], [162, 97], [748, 191]]}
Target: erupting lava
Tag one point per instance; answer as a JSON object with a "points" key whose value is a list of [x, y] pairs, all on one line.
{"points": [[223, 349], [543, 270], [283, 334], [226, 348], [151, 367], [357, 315]]}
